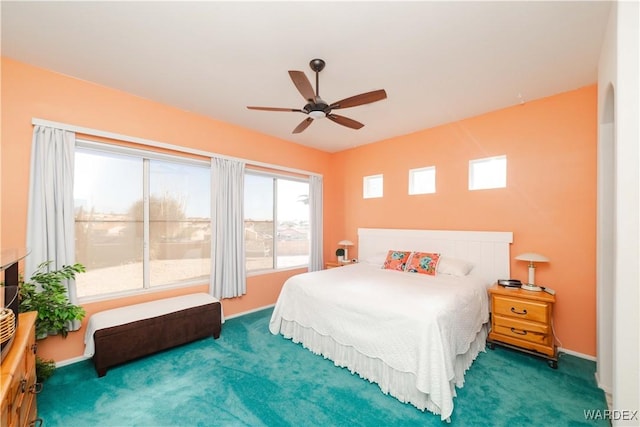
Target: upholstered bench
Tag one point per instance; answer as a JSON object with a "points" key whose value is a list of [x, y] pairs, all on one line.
{"points": [[127, 333]]}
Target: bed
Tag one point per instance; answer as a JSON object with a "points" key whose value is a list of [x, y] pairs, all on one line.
{"points": [[414, 335]]}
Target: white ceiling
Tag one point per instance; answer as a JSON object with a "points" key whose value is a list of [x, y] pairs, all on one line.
{"points": [[438, 61]]}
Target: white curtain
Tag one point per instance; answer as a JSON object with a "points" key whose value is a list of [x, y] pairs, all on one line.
{"points": [[50, 216], [228, 277], [315, 204]]}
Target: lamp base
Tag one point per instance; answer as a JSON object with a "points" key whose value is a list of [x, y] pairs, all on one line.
{"points": [[530, 287]]}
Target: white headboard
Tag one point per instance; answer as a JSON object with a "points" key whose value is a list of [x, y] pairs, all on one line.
{"points": [[487, 250]]}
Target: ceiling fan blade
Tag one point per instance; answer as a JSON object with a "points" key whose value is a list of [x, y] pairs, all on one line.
{"points": [[303, 125], [345, 121], [276, 109], [363, 98], [304, 86]]}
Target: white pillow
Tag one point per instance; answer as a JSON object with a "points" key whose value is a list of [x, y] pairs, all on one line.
{"points": [[454, 266], [375, 258]]}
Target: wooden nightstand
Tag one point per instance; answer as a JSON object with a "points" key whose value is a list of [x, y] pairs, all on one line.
{"points": [[334, 264], [522, 320]]}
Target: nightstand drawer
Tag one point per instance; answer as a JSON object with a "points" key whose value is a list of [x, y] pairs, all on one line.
{"points": [[521, 329], [520, 309]]}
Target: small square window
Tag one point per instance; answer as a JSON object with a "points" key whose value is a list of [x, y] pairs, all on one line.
{"points": [[422, 180], [372, 186], [490, 172]]}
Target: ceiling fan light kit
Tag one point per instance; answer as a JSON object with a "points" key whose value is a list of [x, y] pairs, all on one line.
{"points": [[317, 114], [316, 108]]}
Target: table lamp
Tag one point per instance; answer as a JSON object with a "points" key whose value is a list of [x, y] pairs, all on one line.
{"points": [[345, 243], [532, 258]]}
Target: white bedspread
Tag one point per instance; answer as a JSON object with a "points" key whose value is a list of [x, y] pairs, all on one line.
{"points": [[414, 323], [135, 312]]}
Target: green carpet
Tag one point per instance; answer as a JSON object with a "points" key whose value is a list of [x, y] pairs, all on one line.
{"points": [[249, 377]]}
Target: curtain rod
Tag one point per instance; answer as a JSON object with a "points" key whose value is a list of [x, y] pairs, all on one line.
{"points": [[156, 144]]}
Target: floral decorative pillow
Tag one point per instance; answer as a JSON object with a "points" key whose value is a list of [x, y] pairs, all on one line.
{"points": [[396, 260], [423, 263]]}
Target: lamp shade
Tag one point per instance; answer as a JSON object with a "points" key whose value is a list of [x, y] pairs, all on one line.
{"points": [[532, 257]]}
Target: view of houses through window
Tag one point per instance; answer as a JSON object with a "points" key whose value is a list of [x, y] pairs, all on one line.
{"points": [[140, 222], [276, 212], [143, 220]]}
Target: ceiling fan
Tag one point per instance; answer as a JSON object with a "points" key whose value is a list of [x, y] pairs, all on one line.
{"points": [[316, 107]]}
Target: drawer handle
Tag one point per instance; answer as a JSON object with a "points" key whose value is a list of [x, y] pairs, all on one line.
{"points": [[522, 313], [518, 331], [37, 422], [35, 388]]}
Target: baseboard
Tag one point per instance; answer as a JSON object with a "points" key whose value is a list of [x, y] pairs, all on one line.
{"points": [[575, 353], [602, 387], [250, 311], [71, 361], [606, 389]]}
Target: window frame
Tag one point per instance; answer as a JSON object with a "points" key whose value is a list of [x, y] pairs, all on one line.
{"points": [[146, 156], [413, 191], [474, 186], [275, 176], [367, 191]]}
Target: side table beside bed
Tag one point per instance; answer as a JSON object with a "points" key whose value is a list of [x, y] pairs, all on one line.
{"points": [[523, 320]]}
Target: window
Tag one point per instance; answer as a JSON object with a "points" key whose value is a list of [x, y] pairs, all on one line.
{"points": [[276, 212], [142, 220], [422, 180], [490, 172], [372, 186]]}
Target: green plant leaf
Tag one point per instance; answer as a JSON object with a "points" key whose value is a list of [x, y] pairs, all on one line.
{"points": [[45, 293]]}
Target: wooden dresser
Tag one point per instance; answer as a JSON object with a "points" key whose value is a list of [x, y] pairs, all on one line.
{"points": [[522, 320], [18, 385]]}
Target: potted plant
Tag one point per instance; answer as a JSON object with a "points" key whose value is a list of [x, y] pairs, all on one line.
{"points": [[46, 294], [340, 254], [44, 368]]}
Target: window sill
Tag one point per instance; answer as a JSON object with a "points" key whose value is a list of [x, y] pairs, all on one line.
{"points": [[276, 270]]}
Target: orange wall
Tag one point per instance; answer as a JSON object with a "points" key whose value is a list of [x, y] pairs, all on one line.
{"points": [[29, 92], [549, 202]]}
